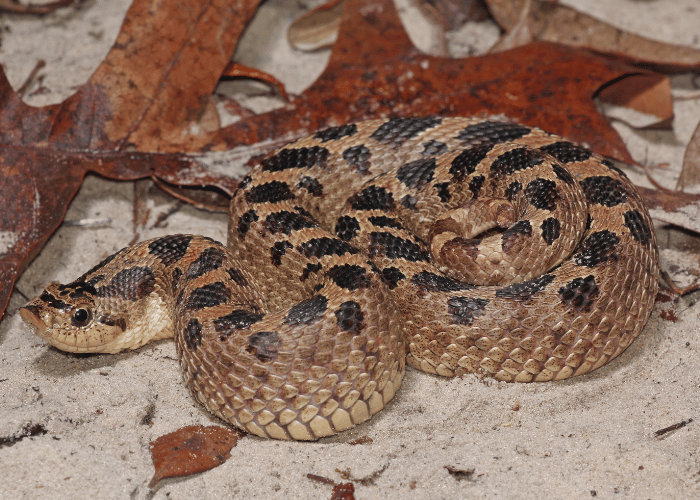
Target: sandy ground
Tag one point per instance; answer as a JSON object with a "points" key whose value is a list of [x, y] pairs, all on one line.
{"points": [[592, 436]]}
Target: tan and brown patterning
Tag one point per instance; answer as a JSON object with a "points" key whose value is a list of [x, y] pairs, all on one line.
{"points": [[460, 245]]}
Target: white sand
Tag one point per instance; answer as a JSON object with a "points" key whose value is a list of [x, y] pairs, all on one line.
{"points": [[590, 436]]}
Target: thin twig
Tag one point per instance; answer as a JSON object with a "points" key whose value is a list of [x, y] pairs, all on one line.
{"points": [[161, 218], [653, 181], [673, 427], [321, 479], [695, 285], [39, 64]]}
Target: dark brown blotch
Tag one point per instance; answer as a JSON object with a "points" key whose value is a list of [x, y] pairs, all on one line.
{"points": [[237, 277], [372, 198], [604, 190], [567, 152], [193, 334], [542, 193], [308, 270], [383, 221], [270, 192], [264, 346], [515, 160], [106, 319], [347, 227], [465, 309], [492, 131], [311, 185], [466, 162], [286, 222], [238, 319], [409, 202], [395, 247], [175, 279], [416, 174], [522, 292], [597, 249], [396, 131], [431, 282], [130, 284], [433, 148], [245, 221], [350, 277], [512, 190], [80, 289], [358, 158], [392, 276], [336, 133], [320, 247], [443, 191], [209, 260], [515, 236], [296, 158], [639, 228], [169, 249], [350, 317], [476, 184], [209, 295], [278, 250], [307, 311], [551, 230], [580, 294]]}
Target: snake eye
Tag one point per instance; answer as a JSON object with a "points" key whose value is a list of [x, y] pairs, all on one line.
{"points": [[81, 317]]}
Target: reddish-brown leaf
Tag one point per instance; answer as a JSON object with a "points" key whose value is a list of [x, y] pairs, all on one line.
{"points": [[343, 491], [555, 22], [647, 94], [236, 70], [190, 450]]}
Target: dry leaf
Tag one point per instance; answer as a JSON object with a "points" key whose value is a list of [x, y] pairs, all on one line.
{"points": [[690, 174], [237, 70], [14, 7], [190, 450], [673, 207], [518, 33], [454, 13], [554, 22], [649, 96], [343, 491], [317, 28]]}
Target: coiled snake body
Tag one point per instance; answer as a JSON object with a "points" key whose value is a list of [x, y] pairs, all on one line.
{"points": [[359, 248]]}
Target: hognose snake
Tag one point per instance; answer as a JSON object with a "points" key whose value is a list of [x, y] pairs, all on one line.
{"points": [[359, 248]]}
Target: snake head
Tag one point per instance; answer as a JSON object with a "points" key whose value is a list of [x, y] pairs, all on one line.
{"points": [[70, 319], [77, 318]]}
